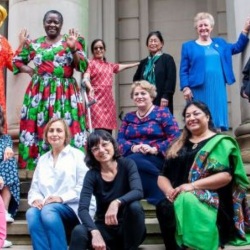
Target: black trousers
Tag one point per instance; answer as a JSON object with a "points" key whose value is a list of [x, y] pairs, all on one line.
{"points": [[166, 217], [128, 235]]}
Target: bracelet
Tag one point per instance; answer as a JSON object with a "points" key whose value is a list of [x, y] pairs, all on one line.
{"points": [[119, 202], [193, 185], [132, 148]]}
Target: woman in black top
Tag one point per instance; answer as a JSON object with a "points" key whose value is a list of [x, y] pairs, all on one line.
{"points": [[116, 185], [159, 69]]}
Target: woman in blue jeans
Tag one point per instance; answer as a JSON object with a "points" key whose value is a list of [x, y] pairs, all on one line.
{"points": [[55, 190], [115, 182]]}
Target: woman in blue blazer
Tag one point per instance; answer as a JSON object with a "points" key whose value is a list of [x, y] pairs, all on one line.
{"points": [[206, 67]]}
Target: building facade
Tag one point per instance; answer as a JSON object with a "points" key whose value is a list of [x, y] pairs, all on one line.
{"points": [[124, 26]]}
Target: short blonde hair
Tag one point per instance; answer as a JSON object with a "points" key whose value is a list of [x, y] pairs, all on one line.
{"points": [[203, 15], [150, 88], [66, 129]]}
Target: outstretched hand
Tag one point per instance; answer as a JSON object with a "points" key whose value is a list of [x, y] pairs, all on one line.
{"points": [[72, 38], [246, 28]]}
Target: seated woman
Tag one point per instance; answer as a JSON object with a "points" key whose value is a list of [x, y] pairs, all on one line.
{"points": [[55, 189], [205, 185], [115, 182], [145, 135], [8, 171]]}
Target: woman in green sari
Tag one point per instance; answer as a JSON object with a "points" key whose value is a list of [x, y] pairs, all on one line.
{"points": [[205, 185]]}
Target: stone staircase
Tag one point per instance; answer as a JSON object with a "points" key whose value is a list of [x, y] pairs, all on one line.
{"points": [[18, 232]]}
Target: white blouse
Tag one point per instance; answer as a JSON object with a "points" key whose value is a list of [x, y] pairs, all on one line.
{"points": [[65, 179]]}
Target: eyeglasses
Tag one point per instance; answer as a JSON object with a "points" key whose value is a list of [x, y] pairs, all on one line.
{"points": [[100, 48], [97, 149]]}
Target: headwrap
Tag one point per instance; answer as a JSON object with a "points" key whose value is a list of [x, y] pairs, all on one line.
{"points": [[3, 14]]}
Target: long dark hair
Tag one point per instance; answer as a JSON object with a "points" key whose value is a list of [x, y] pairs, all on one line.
{"points": [[92, 141], [186, 134], [93, 45]]}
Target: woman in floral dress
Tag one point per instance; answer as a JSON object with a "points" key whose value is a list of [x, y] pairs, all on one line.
{"points": [[52, 92]]}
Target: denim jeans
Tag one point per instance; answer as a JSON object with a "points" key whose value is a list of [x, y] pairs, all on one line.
{"points": [[47, 226], [126, 236]]}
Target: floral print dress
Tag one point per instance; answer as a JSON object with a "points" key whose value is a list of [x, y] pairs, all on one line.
{"points": [[52, 92], [9, 173]]}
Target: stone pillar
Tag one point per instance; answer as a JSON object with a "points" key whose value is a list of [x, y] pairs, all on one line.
{"points": [[237, 12], [29, 14]]}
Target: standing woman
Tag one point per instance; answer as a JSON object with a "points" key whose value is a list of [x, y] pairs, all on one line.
{"points": [[159, 69], [206, 67], [52, 92], [6, 56], [99, 82], [55, 189]]}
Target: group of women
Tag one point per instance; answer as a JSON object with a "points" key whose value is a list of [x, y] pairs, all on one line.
{"points": [[195, 179]]}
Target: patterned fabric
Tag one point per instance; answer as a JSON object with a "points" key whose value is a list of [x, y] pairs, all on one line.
{"points": [[149, 71], [9, 172], [6, 55], [52, 92], [220, 154], [158, 129], [103, 113]]}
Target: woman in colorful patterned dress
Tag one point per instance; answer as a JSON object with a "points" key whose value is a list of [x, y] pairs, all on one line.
{"points": [[145, 135], [52, 92], [99, 81], [205, 185]]}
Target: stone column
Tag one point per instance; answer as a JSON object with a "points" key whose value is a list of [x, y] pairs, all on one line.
{"points": [[29, 14], [237, 12]]}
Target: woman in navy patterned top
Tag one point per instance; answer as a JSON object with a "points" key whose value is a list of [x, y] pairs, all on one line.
{"points": [[145, 135]]}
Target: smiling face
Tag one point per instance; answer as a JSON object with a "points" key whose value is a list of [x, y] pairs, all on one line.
{"points": [[103, 151], [56, 135], [204, 28], [154, 44], [142, 98], [196, 120], [52, 25], [98, 50]]}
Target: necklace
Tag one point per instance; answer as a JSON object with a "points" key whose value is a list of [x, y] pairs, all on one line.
{"points": [[195, 145], [146, 113]]}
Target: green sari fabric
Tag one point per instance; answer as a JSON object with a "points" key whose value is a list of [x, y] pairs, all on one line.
{"points": [[149, 71], [196, 211]]}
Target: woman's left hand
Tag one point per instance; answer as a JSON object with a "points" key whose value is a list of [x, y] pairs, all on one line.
{"points": [[164, 102], [72, 38], [187, 187], [111, 214], [246, 28], [147, 149], [8, 153], [53, 199]]}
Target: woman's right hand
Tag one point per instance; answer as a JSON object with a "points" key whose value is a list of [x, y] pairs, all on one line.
{"points": [[97, 240], [38, 204], [187, 93]]}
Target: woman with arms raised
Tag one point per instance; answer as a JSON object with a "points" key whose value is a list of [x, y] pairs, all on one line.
{"points": [[52, 91], [206, 67], [55, 189], [205, 185], [115, 182]]}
